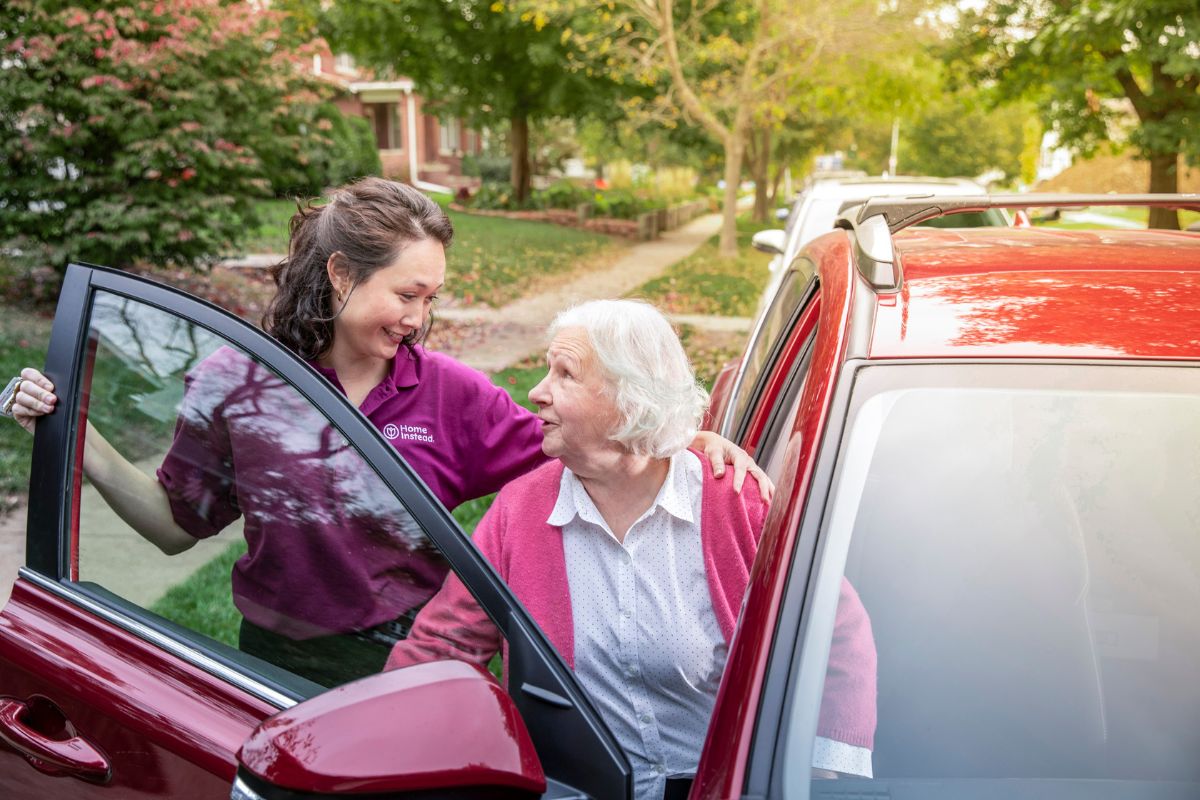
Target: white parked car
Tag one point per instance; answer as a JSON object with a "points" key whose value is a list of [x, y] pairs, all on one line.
{"points": [[821, 200]]}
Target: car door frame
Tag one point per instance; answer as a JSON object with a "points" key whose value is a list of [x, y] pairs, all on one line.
{"points": [[555, 708]]}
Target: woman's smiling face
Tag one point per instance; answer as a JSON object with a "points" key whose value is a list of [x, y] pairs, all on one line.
{"points": [[392, 303]]}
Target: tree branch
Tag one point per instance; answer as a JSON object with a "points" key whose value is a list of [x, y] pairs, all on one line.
{"points": [[691, 102]]}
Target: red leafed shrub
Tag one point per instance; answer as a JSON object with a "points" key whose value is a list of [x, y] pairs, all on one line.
{"points": [[137, 132]]}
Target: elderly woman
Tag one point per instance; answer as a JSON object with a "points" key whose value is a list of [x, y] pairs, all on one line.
{"points": [[625, 549]]}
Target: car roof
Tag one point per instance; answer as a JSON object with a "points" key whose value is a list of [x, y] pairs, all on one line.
{"points": [[1042, 293]]}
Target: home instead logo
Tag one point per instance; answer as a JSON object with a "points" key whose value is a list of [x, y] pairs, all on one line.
{"points": [[416, 433]]}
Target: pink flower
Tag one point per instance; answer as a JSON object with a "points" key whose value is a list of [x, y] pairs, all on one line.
{"points": [[188, 173]]}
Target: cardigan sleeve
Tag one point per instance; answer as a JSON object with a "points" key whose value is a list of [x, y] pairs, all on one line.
{"points": [[452, 626], [848, 712]]}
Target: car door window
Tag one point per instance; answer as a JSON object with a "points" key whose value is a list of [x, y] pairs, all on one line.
{"points": [[773, 446], [767, 342], [303, 557], [1006, 591]]}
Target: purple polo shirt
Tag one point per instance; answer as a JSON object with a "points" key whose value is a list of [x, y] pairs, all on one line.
{"points": [[330, 549]]}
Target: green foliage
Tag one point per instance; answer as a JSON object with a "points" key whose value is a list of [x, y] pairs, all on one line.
{"points": [[1074, 59], [618, 203], [329, 149], [139, 130], [352, 152], [563, 194], [23, 338], [481, 60], [623, 204], [959, 136], [490, 169]]}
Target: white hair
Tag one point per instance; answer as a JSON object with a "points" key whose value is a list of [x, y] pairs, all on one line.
{"points": [[650, 378]]}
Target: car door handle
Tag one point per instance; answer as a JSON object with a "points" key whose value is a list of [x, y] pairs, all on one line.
{"points": [[75, 755]]}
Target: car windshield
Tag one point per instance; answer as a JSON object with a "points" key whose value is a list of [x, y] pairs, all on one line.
{"points": [[1025, 542]]}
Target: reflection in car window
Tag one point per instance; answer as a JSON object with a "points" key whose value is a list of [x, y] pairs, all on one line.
{"points": [[304, 557], [989, 218], [1029, 562], [774, 327]]}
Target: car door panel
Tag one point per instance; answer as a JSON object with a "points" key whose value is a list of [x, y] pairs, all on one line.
{"points": [[168, 728], [166, 707]]}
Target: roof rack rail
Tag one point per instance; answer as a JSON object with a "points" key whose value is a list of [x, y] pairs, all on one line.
{"points": [[874, 221]]}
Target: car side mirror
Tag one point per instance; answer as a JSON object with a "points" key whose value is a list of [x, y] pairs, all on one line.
{"points": [[770, 241], [439, 727]]}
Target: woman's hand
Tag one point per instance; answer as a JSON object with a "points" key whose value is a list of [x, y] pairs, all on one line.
{"points": [[720, 451], [35, 398]]}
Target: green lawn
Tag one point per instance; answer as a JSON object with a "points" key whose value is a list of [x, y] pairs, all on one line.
{"points": [[705, 283], [493, 260], [23, 340]]}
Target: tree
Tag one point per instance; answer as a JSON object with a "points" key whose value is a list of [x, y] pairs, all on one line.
{"points": [[482, 60], [957, 135], [134, 132], [1096, 66], [719, 63]]}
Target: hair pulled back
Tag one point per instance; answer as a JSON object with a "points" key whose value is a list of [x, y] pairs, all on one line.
{"points": [[369, 222]]}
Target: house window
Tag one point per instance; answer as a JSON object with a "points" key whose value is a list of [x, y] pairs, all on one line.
{"points": [[449, 133], [344, 63], [388, 122]]}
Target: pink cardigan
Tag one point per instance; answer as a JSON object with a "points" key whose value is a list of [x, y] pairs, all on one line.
{"points": [[528, 554]]}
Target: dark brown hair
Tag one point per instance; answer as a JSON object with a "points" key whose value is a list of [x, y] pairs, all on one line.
{"points": [[369, 222]]}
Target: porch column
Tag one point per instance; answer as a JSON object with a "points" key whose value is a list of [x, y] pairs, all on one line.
{"points": [[410, 139]]}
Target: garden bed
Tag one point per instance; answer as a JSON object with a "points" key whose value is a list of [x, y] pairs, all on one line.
{"points": [[609, 226]]}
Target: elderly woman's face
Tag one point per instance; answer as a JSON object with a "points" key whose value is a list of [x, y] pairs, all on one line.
{"points": [[574, 401]]}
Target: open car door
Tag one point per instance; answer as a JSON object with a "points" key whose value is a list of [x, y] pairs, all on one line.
{"points": [[121, 672]]}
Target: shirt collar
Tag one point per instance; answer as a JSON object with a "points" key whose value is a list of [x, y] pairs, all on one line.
{"points": [[403, 375], [675, 497]]}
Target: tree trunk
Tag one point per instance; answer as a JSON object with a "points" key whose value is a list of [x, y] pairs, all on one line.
{"points": [[519, 142], [1164, 179], [778, 179], [761, 168], [735, 146]]}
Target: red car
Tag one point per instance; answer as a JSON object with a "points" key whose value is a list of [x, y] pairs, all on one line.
{"points": [[990, 434]]}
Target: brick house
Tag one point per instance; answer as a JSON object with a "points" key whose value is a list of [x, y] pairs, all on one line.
{"points": [[414, 143]]}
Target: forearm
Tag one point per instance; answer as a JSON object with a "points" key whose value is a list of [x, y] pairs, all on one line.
{"points": [[138, 499], [450, 626]]}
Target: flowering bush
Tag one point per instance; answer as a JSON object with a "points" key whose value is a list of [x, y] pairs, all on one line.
{"points": [[138, 131]]}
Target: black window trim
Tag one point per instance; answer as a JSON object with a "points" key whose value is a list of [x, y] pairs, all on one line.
{"points": [[556, 709], [735, 427]]}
